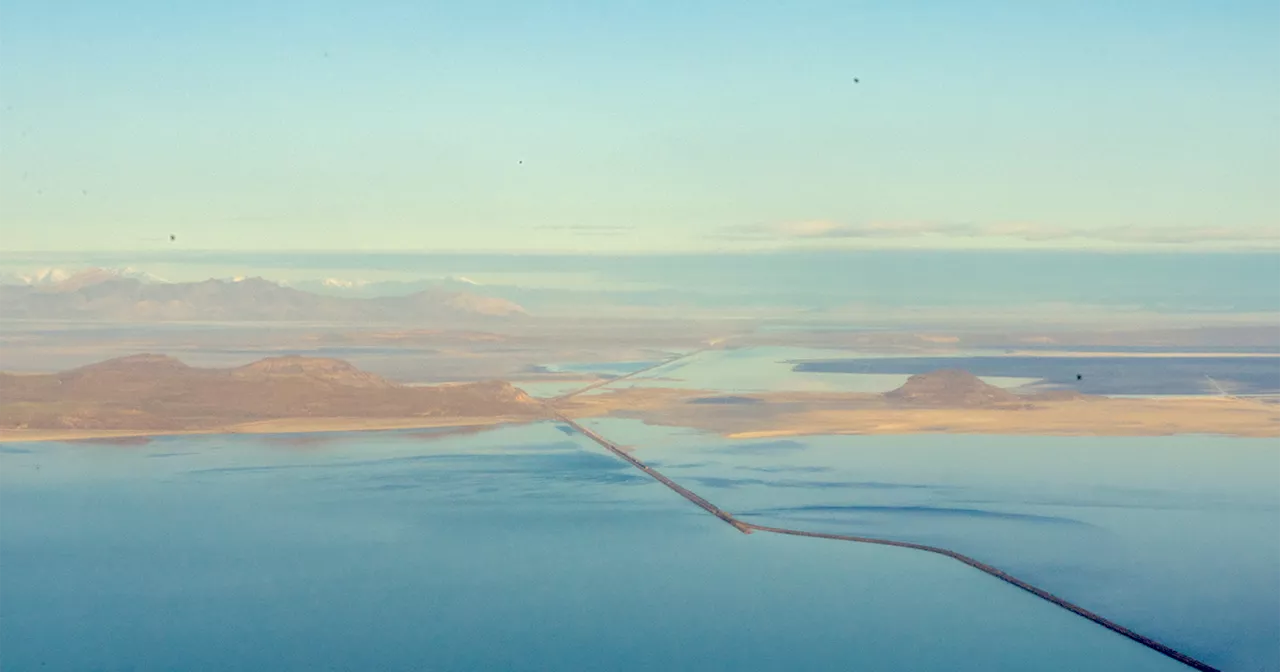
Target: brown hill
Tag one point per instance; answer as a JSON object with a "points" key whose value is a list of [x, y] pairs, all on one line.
{"points": [[310, 370], [950, 387], [104, 296], [159, 392]]}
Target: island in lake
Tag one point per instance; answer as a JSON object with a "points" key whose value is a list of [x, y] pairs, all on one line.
{"points": [[156, 394]]}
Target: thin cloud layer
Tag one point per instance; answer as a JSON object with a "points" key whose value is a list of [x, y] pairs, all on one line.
{"points": [[831, 230], [589, 229]]}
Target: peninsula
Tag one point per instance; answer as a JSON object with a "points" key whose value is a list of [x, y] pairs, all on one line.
{"points": [[941, 402], [156, 394]]}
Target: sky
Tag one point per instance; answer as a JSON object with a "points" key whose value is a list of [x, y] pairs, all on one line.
{"points": [[621, 127]]}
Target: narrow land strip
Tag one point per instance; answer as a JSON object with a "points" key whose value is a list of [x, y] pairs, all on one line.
{"points": [[1003, 576], [658, 476], [647, 369], [747, 528]]}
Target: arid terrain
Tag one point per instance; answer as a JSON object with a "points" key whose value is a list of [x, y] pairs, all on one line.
{"points": [[156, 394], [161, 394], [938, 402]]}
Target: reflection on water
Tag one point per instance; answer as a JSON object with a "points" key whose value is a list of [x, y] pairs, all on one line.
{"points": [[1175, 537], [516, 549]]}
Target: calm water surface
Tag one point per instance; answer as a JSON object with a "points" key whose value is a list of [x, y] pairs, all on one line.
{"points": [[1176, 537], [517, 549]]}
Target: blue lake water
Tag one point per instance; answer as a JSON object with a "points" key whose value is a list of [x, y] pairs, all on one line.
{"points": [[1176, 537], [521, 548]]}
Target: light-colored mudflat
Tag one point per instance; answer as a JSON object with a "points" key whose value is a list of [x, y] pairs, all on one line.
{"points": [[1115, 418], [277, 426], [304, 425], [26, 435]]}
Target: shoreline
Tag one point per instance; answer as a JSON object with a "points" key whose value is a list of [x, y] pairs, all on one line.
{"points": [[834, 414], [263, 427]]}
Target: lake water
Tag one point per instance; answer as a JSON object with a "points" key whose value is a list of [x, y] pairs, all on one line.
{"points": [[521, 548], [774, 369], [1175, 537]]}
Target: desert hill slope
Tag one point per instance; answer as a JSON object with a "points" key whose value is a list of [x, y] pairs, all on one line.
{"points": [[952, 388]]}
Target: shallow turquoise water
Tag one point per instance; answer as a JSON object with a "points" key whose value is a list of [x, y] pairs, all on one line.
{"points": [[1175, 537], [516, 549]]}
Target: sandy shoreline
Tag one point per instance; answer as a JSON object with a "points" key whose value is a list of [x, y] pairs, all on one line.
{"points": [[799, 414], [275, 426]]}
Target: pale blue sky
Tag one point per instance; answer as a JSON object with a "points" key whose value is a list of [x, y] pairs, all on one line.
{"points": [[641, 125]]}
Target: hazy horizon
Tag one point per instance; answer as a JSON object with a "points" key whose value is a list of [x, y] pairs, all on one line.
{"points": [[692, 127], [1203, 282]]}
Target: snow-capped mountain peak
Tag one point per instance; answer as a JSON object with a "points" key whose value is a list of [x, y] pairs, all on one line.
{"points": [[339, 283], [56, 277]]}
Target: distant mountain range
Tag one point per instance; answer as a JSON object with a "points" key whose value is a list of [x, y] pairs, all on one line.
{"points": [[124, 295], [543, 300], [376, 288], [56, 277]]}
